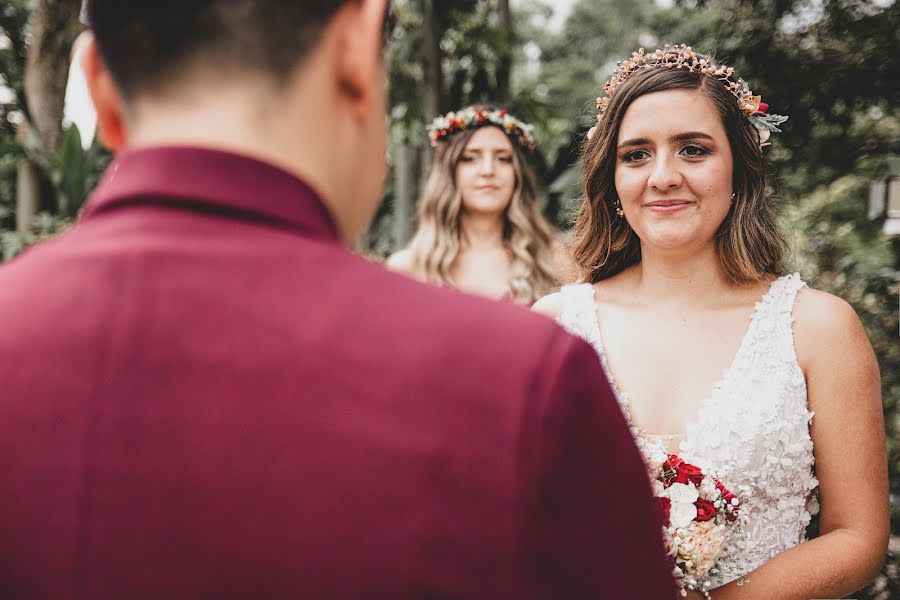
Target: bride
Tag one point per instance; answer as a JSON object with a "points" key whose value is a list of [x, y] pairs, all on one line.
{"points": [[715, 352]]}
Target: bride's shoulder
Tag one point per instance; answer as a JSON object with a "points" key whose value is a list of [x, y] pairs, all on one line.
{"points": [[550, 305], [582, 295], [817, 312], [572, 295], [826, 325]]}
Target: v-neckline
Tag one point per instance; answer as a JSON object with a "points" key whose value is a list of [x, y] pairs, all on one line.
{"points": [[625, 400]]}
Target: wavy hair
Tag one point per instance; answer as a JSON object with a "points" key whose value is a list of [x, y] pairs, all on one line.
{"points": [[436, 244], [749, 244]]}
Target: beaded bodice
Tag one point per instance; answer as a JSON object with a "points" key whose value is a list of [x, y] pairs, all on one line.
{"points": [[753, 429]]}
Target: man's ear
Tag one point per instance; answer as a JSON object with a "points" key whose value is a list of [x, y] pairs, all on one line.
{"points": [[360, 67], [104, 94]]}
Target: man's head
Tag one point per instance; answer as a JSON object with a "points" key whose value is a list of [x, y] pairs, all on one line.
{"points": [[297, 83], [150, 45]]}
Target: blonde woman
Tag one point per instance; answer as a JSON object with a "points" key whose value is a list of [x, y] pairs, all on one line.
{"points": [[716, 352], [480, 227]]}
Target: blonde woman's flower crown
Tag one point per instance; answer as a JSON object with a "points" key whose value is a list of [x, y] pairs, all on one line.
{"points": [[470, 118], [682, 56]]}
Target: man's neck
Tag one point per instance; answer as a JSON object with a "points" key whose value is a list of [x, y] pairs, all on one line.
{"points": [[243, 121]]}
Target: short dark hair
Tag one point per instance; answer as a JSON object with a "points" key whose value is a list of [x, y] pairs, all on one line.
{"points": [[146, 43]]}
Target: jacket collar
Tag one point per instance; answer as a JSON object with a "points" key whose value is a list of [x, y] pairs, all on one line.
{"points": [[211, 180]]}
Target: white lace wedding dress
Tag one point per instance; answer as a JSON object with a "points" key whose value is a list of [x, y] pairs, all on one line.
{"points": [[753, 430]]}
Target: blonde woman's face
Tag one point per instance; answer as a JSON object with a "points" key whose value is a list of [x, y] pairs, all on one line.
{"points": [[673, 169], [485, 174]]}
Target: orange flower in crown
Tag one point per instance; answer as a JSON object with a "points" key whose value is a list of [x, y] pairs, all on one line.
{"points": [[682, 56]]}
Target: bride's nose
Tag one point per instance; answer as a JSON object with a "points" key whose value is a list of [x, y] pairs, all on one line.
{"points": [[665, 174]]}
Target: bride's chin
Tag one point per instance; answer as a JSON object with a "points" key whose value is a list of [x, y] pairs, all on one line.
{"points": [[668, 240]]}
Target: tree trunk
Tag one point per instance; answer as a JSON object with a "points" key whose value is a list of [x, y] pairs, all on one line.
{"points": [[403, 193], [54, 27], [434, 75], [28, 195], [433, 70], [504, 68]]}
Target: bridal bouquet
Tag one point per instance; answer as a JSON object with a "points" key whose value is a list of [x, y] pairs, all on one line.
{"points": [[701, 519]]}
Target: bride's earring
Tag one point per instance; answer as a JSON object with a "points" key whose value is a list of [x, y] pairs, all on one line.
{"points": [[733, 196], [619, 210]]}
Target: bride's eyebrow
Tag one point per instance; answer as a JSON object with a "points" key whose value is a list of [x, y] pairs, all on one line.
{"points": [[681, 137], [691, 135], [634, 142]]}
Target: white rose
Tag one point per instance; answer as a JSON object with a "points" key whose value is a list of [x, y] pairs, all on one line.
{"points": [[681, 493], [681, 514], [658, 487]]}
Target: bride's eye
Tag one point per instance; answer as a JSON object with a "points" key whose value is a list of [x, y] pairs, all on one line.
{"points": [[694, 151], [635, 156]]}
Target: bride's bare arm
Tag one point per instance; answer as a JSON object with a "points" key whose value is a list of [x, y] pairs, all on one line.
{"points": [[851, 464]]}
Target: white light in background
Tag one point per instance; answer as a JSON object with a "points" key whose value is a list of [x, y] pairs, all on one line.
{"points": [[79, 109]]}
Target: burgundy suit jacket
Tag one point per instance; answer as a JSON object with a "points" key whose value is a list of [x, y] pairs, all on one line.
{"points": [[205, 395]]}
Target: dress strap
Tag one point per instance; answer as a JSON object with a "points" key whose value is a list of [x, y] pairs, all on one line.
{"points": [[579, 313], [776, 317], [785, 296]]}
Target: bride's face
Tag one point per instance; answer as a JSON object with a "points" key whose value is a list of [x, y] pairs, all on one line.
{"points": [[673, 170]]}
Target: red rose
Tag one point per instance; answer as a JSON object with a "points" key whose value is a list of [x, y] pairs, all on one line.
{"points": [[664, 505], [668, 469], [727, 496], [705, 510], [672, 463], [763, 107], [685, 473]]}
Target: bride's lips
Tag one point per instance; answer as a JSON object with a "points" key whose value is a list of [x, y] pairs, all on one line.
{"points": [[668, 206]]}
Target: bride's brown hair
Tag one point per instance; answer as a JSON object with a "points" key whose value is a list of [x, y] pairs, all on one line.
{"points": [[749, 244]]}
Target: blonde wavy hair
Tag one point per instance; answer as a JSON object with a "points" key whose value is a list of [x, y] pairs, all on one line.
{"points": [[435, 245]]}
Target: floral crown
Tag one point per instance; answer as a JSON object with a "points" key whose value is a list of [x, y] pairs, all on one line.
{"points": [[471, 118], [682, 56]]}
